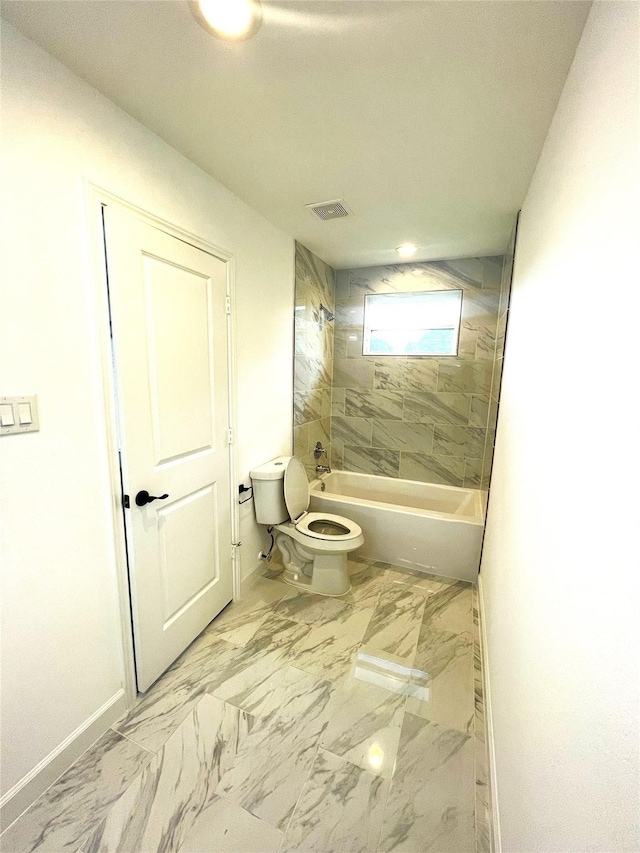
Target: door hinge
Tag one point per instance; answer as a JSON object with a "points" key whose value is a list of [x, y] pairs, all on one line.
{"points": [[228, 304], [125, 501], [229, 436]]}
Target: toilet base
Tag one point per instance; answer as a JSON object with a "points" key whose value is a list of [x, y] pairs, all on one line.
{"points": [[330, 576]]}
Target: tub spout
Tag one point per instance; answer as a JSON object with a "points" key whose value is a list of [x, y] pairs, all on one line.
{"points": [[323, 469]]}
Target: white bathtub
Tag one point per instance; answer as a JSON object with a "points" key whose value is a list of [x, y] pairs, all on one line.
{"points": [[433, 528]]}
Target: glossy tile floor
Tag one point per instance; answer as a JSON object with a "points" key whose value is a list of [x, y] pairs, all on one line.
{"points": [[294, 723]]}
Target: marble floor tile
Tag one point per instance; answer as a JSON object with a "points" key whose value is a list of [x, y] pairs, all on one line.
{"points": [[239, 621], [450, 609], [340, 809], [418, 581], [365, 722], [382, 669], [483, 819], [158, 712], [442, 681], [431, 803], [367, 582], [270, 648], [328, 650], [274, 567], [223, 827], [478, 684], [324, 725], [482, 791], [395, 624], [157, 811], [209, 664], [285, 694], [310, 609], [75, 804], [276, 636], [274, 760]]}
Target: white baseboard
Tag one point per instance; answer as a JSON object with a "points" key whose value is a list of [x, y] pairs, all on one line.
{"points": [[256, 573], [251, 577], [496, 840], [30, 787]]}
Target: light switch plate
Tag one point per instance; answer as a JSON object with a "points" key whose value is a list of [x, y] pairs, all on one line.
{"points": [[17, 427]]}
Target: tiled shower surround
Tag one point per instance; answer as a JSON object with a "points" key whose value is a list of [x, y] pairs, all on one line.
{"points": [[415, 417], [313, 360]]}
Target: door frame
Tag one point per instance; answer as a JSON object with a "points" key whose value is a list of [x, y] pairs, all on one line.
{"points": [[96, 198]]}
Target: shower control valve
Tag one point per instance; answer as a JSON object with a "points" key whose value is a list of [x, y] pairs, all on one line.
{"points": [[318, 450]]}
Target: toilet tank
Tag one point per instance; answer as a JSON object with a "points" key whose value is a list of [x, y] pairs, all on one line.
{"points": [[268, 491]]}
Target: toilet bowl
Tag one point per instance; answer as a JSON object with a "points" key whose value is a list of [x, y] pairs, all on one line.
{"points": [[313, 545]]}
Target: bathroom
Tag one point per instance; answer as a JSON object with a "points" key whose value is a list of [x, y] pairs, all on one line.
{"points": [[558, 587]]}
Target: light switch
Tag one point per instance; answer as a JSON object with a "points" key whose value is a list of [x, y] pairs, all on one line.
{"points": [[24, 413], [19, 414], [6, 415]]}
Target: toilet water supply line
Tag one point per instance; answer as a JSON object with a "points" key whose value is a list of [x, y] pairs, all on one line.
{"points": [[267, 556], [263, 556]]}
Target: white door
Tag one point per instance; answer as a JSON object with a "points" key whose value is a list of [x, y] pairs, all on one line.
{"points": [[169, 327]]}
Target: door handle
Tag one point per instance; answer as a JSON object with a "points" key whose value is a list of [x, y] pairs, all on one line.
{"points": [[143, 498]]}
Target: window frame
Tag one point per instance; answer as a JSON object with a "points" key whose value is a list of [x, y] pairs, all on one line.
{"points": [[366, 331]]}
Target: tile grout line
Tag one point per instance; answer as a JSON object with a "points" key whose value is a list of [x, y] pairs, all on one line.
{"points": [[302, 787], [135, 742], [125, 790], [237, 806]]}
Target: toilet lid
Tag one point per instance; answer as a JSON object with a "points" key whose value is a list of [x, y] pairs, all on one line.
{"points": [[296, 488]]}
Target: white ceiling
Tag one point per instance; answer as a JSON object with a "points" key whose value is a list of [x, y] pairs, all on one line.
{"points": [[427, 117]]}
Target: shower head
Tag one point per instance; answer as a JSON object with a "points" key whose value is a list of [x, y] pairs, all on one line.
{"points": [[328, 316]]}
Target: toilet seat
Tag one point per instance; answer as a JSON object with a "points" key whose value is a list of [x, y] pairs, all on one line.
{"points": [[296, 498], [302, 526]]}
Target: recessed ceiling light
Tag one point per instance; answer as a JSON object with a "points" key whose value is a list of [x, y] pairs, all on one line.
{"points": [[406, 250], [228, 19]]}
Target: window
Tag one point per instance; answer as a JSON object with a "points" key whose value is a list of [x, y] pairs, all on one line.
{"points": [[412, 323]]}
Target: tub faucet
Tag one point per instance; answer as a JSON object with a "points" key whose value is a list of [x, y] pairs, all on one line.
{"points": [[323, 469]]}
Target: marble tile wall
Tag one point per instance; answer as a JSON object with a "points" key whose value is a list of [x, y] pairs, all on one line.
{"points": [[313, 358], [419, 418], [498, 358]]}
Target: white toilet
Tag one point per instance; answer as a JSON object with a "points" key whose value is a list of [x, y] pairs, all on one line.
{"points": [[314, 545]]}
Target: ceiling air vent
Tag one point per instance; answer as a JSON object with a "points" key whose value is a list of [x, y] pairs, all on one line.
{"points": [[335, 209]]}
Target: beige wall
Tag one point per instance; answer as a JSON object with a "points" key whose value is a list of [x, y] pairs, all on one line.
{"points": [[62, 657], [560, 571]]}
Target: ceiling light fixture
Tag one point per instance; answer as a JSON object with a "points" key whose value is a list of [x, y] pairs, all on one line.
{"points": [[406, 250], [234, 20]]}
